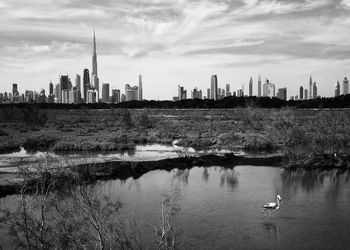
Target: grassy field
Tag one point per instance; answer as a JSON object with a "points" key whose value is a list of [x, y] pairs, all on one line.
{"points": [[305, 136]]}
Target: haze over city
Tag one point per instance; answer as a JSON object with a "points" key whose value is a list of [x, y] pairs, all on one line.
{"points": [[176, 42]]}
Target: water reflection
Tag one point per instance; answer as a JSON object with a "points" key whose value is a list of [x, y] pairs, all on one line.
{"points": [[294, 180], [229, 177], [273, 231], [205, 175], [182, 175]]}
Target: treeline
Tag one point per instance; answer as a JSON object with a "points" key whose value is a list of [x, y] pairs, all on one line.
{"points": [[342, 101]]}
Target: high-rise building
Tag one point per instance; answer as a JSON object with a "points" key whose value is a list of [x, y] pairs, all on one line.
{"points": [[65, 96], [182, 93], [306, 95], [123, 98], [259, 86], [115, 96], [337, 89], [345, 86], [50, 89], [58, 93], [228, 91], [15, 89], [214, 87], [64, 81], [282, 94], [310, 88], [208, 93], [41, 96], [140, 88], [78, 82], [94, 74], [78, 87], [105, 92], [301, 93], [86, 83], [240, 93], [314, 91], [132, 93], [268, 89], [251, 86], [91, 96], [73, 96], [196, 94]]}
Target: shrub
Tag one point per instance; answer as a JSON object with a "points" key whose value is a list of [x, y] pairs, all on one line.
{"points": [[7, 146], [40, 142], [3, 133], [259, 142]]}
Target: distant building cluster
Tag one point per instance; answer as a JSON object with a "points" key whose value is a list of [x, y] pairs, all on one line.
{"points": [[83, 90], [268, 89], [217, 93], [86, 89]]}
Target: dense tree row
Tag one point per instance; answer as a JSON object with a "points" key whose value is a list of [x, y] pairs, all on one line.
{"points": [[228, 102]]}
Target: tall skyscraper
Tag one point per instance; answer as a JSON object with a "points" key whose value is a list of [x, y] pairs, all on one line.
{"points": [[115, 95], [78, 82], [140, 88], [310, 88], [337, 89], [196, 94], [208, 93], [78, 87], [282, 94], [91, 96], [345, 86], [15, 89], [50, 89], [259, 86], [182, 93], [86, 83], [94, 75], [132, 93], [64, 81], [306, 95], [301, 93], [268, 89], [105, 92], [251, 86], [314, 90], [214, 87]]}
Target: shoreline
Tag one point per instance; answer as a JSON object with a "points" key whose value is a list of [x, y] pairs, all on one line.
{"points": [[89, 173]]}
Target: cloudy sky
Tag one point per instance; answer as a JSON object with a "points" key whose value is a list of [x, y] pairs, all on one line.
{"points": [[175, 42]]}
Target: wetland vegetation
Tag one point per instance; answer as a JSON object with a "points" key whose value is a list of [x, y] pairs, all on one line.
{"points": [[306, 137]]}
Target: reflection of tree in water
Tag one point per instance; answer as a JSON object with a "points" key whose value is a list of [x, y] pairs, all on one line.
{"points": [[229, 177], [205, 175], [182, 175], [310, 180]]}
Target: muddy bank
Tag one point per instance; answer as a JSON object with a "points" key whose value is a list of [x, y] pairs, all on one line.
{"points": [[89, 173]]}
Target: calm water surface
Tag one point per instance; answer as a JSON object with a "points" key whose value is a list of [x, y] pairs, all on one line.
{"points": [[221, 208]]}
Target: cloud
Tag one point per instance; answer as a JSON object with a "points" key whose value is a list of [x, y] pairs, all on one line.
{"points": [[260, 31]]}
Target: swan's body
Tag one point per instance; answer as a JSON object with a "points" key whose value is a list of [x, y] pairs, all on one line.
{"points": [[272, 205]]}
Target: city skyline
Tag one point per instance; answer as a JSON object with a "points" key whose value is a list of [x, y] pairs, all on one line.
{"points": [[175, 49]]}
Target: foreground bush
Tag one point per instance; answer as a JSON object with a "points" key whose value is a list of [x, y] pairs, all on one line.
{"points": [[40, 142]]}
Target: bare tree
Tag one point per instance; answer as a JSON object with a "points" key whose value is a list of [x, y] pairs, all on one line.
{"points": [[165, 232]]}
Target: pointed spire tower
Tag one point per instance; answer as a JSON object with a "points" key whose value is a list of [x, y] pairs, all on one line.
{"points": [[310, 88], [94, 75], [94, 58]]}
